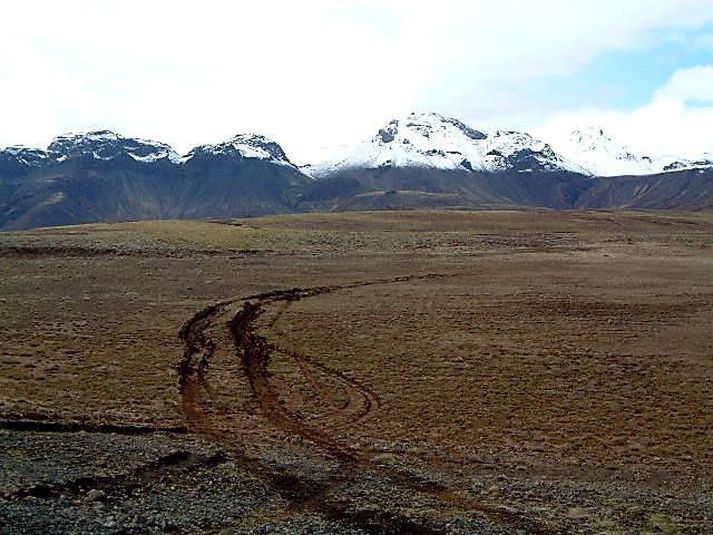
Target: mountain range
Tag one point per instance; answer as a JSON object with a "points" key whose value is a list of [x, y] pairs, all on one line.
{"points": [[422, 160]]}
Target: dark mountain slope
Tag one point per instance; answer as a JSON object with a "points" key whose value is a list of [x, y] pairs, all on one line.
{"points": [[553, 189], [680, 190], [103, 177]]}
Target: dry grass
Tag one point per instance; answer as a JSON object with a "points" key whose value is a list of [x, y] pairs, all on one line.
{"points": [[572, 342], [557, 361]]}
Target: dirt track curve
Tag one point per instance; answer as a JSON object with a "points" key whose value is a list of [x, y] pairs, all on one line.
{"points": [[255, 352]]}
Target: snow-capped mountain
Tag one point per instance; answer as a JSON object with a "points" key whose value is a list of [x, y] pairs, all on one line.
{"points": [[102, 176], [423, 160], [24, 156], [704, 162], [430, 140], [101, 145], [106, 145], [242, 146], [602, 156], [421, 140]]}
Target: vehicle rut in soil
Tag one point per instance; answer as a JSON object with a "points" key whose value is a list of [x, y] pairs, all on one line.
{"points": [[255, 352]]}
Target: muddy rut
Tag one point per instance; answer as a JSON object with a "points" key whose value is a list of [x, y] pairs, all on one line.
{"points": [[256, 352]]}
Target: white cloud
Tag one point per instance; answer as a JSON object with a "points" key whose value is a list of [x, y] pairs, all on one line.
{"points": [[673, 122], [311, 74], [692, 84]]}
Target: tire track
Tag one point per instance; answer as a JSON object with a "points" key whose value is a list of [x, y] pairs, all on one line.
{"points": [[322, 391], [192, 370], [368, 400], [255, 352], [199, 347]]}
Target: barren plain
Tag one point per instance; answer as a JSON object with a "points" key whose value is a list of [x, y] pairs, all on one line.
{"points": [[387, 372]]}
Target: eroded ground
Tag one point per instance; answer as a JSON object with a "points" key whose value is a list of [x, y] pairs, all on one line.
{"points": [[424, 372]]}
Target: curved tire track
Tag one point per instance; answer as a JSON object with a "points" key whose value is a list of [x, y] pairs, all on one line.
{"points": [[255, 352], [369, 400]]}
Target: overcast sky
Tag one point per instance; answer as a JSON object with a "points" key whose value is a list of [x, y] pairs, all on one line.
{"points": [[316, 74]]}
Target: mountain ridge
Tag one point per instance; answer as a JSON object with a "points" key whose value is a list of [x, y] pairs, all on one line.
{"points": [[434, 141], [423, 139], [423, 161]]}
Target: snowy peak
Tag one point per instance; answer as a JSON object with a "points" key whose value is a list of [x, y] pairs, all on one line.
{"points": [[243, 146], [431, 140], [416, 140], [600, 155], [705, 161], [594, 140], [77, 143], [425, 126], [107, 145], [524, 153], [24, 156]]}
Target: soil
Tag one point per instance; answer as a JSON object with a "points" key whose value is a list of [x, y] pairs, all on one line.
{"points": [[421, 372]]}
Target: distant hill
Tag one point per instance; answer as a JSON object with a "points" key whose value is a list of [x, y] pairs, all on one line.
{"points": [[420, 161], [104, 177]]}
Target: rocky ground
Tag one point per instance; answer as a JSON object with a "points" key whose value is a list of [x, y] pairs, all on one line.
{"points": [[95, 482]]}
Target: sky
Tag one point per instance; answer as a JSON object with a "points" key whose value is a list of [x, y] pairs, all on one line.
{"points": [[316, 75]]}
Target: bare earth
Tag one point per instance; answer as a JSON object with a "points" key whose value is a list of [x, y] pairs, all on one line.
{"points": [[395, 372]]}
